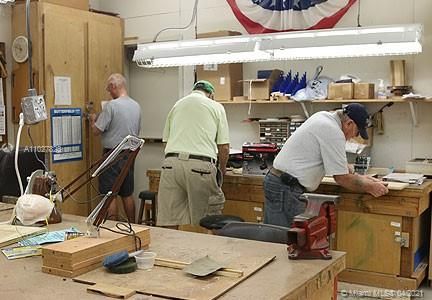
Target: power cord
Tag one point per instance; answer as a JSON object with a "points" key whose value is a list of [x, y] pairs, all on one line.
{"points": [[35, 152], [194, 14], [125, 229]]}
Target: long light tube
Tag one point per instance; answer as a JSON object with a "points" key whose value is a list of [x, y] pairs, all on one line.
{"points": [[328, 43]]}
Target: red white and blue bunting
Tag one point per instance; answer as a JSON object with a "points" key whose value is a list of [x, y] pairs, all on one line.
{"points": [[261, 16]]}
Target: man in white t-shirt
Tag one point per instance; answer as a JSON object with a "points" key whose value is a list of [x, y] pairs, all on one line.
{"points": [[316, 148]]}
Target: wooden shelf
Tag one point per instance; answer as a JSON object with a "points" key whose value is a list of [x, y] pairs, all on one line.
{"points": [[411, 103], [395, 100]]}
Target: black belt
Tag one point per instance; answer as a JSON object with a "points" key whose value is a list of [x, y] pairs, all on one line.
{"points": [[286, 178], [192, 156]]}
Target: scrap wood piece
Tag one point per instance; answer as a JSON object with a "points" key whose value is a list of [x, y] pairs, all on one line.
{"points": [[111, 290], [163, 262], [10, 234]]}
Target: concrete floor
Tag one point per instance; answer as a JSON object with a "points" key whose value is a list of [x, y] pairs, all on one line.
{"points": [[349, 291]]}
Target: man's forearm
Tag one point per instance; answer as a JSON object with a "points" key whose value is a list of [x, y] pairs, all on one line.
{"points": [[223, 154], [361, 183]]}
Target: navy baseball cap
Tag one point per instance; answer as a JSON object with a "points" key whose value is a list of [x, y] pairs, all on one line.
{"points": [[360, 116]]}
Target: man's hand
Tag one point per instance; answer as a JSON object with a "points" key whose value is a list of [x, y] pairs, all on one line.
{"points": [[378, 188], [92, 118]]}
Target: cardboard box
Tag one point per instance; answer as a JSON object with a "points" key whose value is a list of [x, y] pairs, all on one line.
{"points": [[260, 88], [226, 78], [78, 4], [364, 90], [340, 91]]}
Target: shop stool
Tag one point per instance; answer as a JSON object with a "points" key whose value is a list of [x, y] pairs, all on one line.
{"points": [[147, 208]]}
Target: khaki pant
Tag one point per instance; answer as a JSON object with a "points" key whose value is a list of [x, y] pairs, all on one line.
{"points": [[188, 191]]}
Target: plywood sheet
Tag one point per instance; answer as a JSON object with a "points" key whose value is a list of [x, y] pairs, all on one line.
{"points": [[174, 283], [397, 186], [10, 234]]}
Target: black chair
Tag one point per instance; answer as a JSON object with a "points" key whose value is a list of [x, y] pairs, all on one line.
{"points": [[27, 164], [255, 231], [215, 222], [147, 208]]}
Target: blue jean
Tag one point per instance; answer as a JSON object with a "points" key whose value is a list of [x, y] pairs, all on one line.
{"points": [[282, 202]]}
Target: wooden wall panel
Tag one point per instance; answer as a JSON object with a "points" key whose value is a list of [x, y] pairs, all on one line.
{"points": [[64, 43]]}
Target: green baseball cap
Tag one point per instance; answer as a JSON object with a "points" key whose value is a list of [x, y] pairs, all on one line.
{"points": [[205, 86]]}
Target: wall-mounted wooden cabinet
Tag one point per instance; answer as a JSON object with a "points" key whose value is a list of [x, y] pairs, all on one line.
{"points": [[85, 46]]}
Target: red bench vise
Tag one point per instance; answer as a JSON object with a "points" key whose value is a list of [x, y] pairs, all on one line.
{"points": [[308, 237]]}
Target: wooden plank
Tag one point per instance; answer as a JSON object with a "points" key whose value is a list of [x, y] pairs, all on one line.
{"points": [[384, 205], [111, 291], [71, 257], [65, 264], [68, 273], [378, 280], [169, 263], [10, 234], [397, 186], [369, 241]]}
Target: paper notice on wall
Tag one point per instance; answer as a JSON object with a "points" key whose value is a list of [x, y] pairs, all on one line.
{"points": [[62, 90], [1, 92], [66, 134], [2, 120]]}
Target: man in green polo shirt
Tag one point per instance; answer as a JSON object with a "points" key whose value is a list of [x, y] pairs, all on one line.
{"points": [[197, 136]]}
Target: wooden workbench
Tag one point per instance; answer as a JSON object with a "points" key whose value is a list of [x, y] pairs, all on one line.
{"points": [[386, 238], [281, 279]]}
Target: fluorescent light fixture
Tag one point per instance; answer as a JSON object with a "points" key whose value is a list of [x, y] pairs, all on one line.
{"points": [[298, 45], [6, 1]]}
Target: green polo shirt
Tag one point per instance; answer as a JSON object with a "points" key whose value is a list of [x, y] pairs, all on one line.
{"points": [[196, 125]]}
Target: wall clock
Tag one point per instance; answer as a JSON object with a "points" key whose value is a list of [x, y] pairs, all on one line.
{"points": [[20, 49]]}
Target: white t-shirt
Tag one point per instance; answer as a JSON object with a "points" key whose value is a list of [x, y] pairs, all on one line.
{"points": [[315, 149]]}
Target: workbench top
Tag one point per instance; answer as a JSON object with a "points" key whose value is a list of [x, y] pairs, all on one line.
{"points": [[23, 278], [232, 178]]}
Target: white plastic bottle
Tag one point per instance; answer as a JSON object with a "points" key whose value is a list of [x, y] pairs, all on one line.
{"points": [[381, 92]]}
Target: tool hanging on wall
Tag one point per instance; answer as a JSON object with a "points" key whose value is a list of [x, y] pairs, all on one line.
{"points": [[378, 120]]}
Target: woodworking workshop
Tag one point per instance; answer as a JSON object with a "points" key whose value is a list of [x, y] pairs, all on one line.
{"points": [[215, 149]]}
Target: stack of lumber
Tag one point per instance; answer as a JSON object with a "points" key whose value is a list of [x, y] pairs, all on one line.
{"points": [[83, 254]]}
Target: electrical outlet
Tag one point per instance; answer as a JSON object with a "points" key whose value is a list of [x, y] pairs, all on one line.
{"points": [[34, 109]]}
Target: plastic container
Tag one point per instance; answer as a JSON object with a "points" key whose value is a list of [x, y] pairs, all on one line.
{"points": [[145, 260], [381, 92]]}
